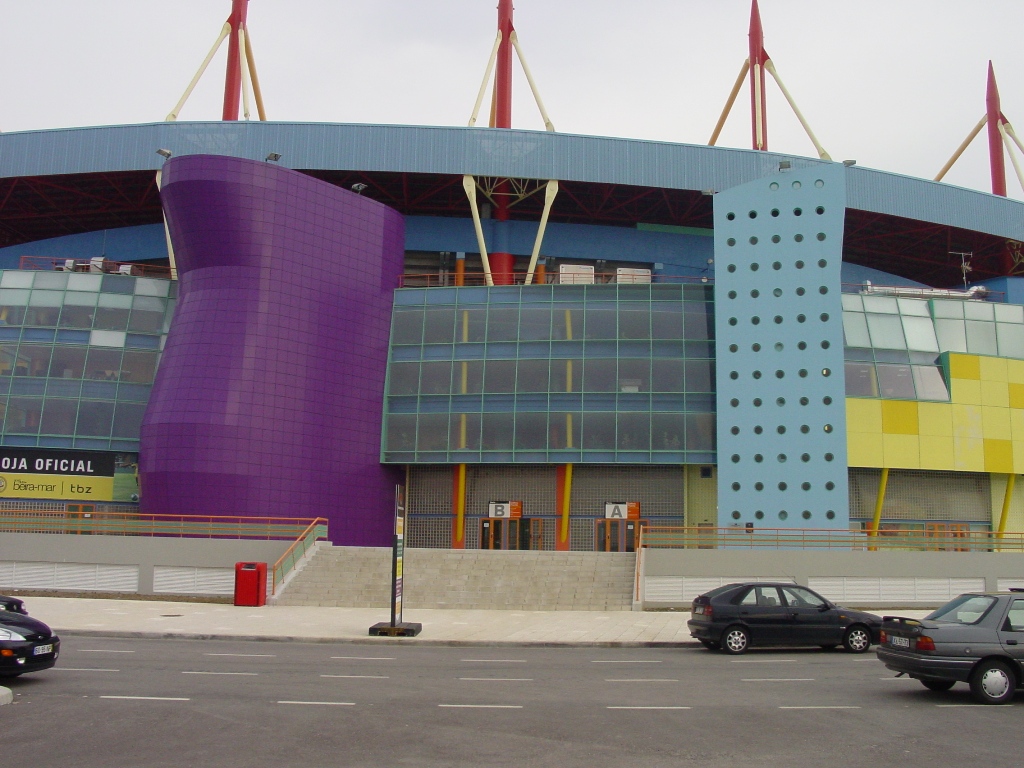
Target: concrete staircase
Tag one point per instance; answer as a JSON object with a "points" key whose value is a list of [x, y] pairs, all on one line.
{"points": [[360, 577]]}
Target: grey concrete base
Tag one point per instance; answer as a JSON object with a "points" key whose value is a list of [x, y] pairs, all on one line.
{"points": [[6, 696]]}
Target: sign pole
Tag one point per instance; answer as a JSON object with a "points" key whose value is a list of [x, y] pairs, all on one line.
{"points": [[397, 627]]}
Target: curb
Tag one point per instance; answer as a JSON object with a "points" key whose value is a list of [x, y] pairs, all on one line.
{"points": [[6, 696], [383, 640]]}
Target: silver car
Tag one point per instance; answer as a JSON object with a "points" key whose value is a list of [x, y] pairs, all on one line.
{"points": [[977, 638]]}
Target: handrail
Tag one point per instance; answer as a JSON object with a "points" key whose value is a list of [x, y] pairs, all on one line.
{"points": [[315, 531], [706, 537], [96, 265], [166, 525], [435, 280]]}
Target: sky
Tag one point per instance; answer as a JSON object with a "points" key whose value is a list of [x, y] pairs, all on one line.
{"points": [[893, 84]]}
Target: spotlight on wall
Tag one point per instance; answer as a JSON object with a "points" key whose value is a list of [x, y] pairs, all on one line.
{"points": [[848, 163], [358, 187], [165, 153], [273, 157], [707, 192], [785, 165]]}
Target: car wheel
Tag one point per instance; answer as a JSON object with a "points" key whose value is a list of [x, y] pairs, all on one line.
{"points": [[711, 645], [857, 639], [735, 640], [937, 685], [992, 682]]}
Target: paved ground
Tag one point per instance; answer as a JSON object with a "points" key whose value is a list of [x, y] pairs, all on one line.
{"points": [[175, 703]]}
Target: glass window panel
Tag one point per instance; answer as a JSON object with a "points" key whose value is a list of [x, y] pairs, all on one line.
{"points": [[401, 433], [468, 377], [697, 322], [470, 324], [42, 316], [566, 375], [920, 334], [67, 362], [107, 338], [895, 381], [886, 331], [76, 316], [148, 286], [634, 375], [497, 429], [94, 418], [668, 431], [598, 431], [114, 301], [699, 375], [599, 375], [111, 319], [23, 415], [1009, 313], [929, 383], [860, 380], [138, 367], [12, 314], [436, 378], [951, 334], [634, 320], [33, 360], [566, 322], [666, 320], [852, 303], [532, 376], [1011, 340], [947, 308], [600, 323], [531, 431], [500, 376], [855, 327], [117, 284], [52, 280], [16, 279], [59, 417], [432, 432], [85, 282], [700, 431], [634, 432], [103, 364], [981, 337], [564, 430], [914, 307], [535, 323], [465, 432], [667, 375], [503, 324], [978, 310], [46, 299], [8, 359], [407, 327], [882, 304], [143, 321], [439, 325], [403, 378]]}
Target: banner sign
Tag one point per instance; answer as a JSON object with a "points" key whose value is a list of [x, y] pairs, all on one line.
{"points": [[622, 510], [32, 473], [397, 556], [505, 510]]}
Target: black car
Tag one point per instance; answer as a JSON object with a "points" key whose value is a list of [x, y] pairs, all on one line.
{"points": [[738, 616], [26, 644], [12, 605], [976, 638]]}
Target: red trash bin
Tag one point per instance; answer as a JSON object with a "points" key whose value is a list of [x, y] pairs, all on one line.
{"points": [[250, 584]]}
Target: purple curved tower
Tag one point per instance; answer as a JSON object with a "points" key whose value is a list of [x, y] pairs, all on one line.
{"points": [[269, 395]]}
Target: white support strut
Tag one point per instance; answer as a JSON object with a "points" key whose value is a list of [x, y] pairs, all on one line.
{"points": [[487, 76], [469, 184], [548, 125], [796, 111], [167, 231], [550, 193], [1011, 153], [224, 32], [243, 64], [961, 148], [729, 103]]}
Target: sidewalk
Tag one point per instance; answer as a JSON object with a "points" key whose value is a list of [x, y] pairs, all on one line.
{"points": [[166, 619]]}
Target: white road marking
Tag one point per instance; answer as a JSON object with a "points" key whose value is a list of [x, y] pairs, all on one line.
{"points": [[245, 655], [648, 707], [986, 706], [625, 661], [322, 703], [822, 707], [761, 661], [365, 658], [777, 680], [242, 674], [361, 677], [480, 706], [898, 678], [641, 680], [101, 650], [84, 669], [500, 679], [495, 661], [147, 698]]}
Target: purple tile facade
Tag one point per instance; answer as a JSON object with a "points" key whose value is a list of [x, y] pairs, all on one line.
{"points": [[269, 396]]}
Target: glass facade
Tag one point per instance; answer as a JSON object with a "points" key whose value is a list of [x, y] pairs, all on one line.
{"points": [[602, 373], [78, 353], [893, 343]]}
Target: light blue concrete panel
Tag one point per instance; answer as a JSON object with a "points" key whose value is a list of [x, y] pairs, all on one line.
{"points": [[779, 338]]}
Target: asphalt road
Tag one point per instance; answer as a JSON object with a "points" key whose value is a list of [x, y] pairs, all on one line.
{"points": [[153, 703]]}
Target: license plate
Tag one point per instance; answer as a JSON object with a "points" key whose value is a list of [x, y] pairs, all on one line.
{"points": [[902, 642], [40, 650], [698, 609]]}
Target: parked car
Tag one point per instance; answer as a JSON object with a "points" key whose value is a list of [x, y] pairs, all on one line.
{"points": [[12, 604], [26, 644], [976, 638], [738, 616]]}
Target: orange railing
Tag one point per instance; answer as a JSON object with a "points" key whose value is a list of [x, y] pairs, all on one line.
{"points": [[315, 531], [96, 265], [435, 280]]}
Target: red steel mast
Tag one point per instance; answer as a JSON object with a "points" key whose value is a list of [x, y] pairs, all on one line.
{"points": [[233, 77], [996, 161], [758, 98], [502, 263]]}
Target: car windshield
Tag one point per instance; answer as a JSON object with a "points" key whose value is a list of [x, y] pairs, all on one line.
{"points": [[966, 609]]}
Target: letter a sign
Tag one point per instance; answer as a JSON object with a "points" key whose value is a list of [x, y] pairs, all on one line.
{"points": [[622, 510]]}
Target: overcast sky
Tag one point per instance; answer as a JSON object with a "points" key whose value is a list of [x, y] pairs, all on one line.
{"points": [[894, 84]]}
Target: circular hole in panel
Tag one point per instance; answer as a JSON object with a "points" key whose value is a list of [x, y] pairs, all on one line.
{"points": [[775, 212], [830, 486], [825, 344], [822, 263], [800, 291], [801, 318], [731, 241], [830, 515], [733, 321], [805, 486], [735, 458], [756, 347], [803, 373], [821, 236], [735, 486], [804, 401], [752, 214], [735, 514], [780, 401], [758, 458], [731, 268], [754, 267], [773, 186], [826, 400], [776, 239], [755, 293], [828, 429], [755, 320], [733, 348], [759, 515], [778, 319], [826, 372], [756, 374], [757, 402], [753, 240], [776, 266], [735, 430], [801, 345], [805, 457], [819, 210], [758, 430], [823, 317], [822, 289], [734, 402], [780, 374], [758, 486], [799, 264], [829, 457], [806, 514], [783, 486], [732, 294], [819, 183], [733, 375], [783, 514], [798, 211], [780, 429], [782, 458], [777, 292], [779, 346], [797, 185], [804, 429], [799, 238], [730, 215]]}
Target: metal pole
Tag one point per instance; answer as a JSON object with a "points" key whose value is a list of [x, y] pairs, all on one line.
{"points": [[233, 75], [883, 481], [502, 263]]}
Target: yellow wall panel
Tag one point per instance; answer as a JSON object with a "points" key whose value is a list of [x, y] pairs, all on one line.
{"points": [[967, 421], [1018, 462], [995, 423], [969, 454], [937, 453], [1016, 395], [998, 456], [863, 415], [936, 419], [863, 449], [964, 367], [1017, 425], [901, 451], [992, 368], [966, 391], [995, 393], [899, 417], [1015, 371]]}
